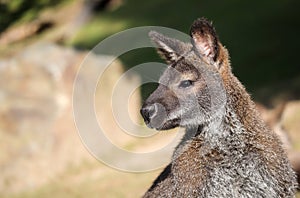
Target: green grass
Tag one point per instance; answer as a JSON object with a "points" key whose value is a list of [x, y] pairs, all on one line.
{"points": [[262, 36], [20, 11], [93, 30]]}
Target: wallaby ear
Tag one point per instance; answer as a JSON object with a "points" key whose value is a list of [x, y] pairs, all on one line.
{"points": [[169, 49], [205, 40]]}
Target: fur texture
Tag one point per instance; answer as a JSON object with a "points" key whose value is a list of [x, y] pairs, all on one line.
{"points": [[227, 151]]}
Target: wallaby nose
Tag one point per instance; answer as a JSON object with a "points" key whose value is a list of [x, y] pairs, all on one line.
{"points": [[148, 112]]}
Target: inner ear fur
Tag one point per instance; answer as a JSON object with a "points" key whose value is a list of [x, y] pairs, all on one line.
{"points": [[169, 49], [205, 41]]}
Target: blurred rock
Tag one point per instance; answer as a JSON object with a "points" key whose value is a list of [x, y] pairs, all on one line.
{"points": [[284, 119], [291, 122], [32, 101], [38, 138], [273, 118]]}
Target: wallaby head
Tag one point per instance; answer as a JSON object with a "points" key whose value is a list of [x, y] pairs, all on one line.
{"points": [[191, 81]]}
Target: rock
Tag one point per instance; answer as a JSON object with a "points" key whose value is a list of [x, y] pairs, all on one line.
{"points": [[291, 121], [273, 118], [284, 119], [38, 138]]}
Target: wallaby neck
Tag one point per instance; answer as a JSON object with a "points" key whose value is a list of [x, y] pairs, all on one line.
{"points": [[241, 104]]}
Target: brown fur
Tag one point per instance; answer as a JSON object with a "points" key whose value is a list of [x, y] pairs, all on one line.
{"points": [[241, 157]]}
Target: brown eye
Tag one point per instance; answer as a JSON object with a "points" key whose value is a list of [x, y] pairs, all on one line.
{"points": [[186, 83]]}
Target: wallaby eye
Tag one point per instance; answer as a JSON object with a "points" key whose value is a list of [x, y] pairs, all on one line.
{"points": [[185, 83]]}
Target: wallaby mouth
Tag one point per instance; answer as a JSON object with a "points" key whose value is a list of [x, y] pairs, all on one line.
{"points": [[155, 116]]}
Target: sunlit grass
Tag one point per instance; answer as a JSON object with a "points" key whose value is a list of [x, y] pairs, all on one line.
{"points": [[96, 30], [92, 179]]}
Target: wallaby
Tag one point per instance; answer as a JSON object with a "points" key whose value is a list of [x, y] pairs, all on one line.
{"points": [[229, 154]]}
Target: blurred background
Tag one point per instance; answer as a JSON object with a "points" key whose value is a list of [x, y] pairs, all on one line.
{"points": [[43, 42]]}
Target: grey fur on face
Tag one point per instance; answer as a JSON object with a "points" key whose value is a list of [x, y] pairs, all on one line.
{"points": [[227, 150]]}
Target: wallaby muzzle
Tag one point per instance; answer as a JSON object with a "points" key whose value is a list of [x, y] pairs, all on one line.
{"points": [[156, 108]]}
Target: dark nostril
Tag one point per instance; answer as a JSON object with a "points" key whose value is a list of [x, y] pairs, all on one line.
{"points": [[144, 113], [152, 110], [148, 112]]}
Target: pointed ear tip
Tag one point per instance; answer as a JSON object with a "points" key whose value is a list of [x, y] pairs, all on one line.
{"points": [[201, 23], [202, 20]]}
